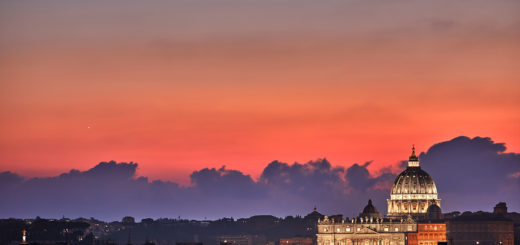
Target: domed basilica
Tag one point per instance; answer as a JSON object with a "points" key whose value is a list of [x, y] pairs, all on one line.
{"points": [[413, 201], [413, 192]]}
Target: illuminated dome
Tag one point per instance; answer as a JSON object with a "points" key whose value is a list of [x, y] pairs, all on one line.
{"points": [[413, 191], [413, 183]]}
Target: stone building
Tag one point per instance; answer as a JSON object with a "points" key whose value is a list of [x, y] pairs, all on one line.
{"points": [[367, 229], [414, 216], [428, 234], [481, 228]]}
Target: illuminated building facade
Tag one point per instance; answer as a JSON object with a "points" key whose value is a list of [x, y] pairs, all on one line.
{"points": [[415, 218], [367, 229], [413, 197], [428, 234], [412, 192]]}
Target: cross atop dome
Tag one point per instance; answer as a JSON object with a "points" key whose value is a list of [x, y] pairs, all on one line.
{"points": [[413, 161]]}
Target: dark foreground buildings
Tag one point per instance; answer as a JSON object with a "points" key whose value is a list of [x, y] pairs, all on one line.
{"points": [[482, 228]]}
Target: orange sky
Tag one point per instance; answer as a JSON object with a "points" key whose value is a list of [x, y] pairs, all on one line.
{"points": [[178, 86]]}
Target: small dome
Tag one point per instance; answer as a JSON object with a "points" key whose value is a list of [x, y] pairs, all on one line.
{"points": [[314, 215], [434, 209], [434, 212], [370, 211]]}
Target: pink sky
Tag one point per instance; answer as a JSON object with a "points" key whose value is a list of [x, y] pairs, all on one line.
{"points": [[178, 86]]}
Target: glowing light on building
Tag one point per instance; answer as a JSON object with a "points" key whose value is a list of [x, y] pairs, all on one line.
{"points": [[413, 191]]}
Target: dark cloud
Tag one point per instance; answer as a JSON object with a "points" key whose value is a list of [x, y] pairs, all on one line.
{"points": [[225, 182], [112, 190], [109, 188], [471, 174], [311, 179], [359, 177], [8, 179]]}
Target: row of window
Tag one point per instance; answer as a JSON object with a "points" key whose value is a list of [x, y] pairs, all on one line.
{"points": [[432, 236], [348, 229], [364, 242], [428, 196], [428, 227]]}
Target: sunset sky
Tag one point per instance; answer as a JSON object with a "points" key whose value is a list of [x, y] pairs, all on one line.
{"points": [[179, 85]]}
